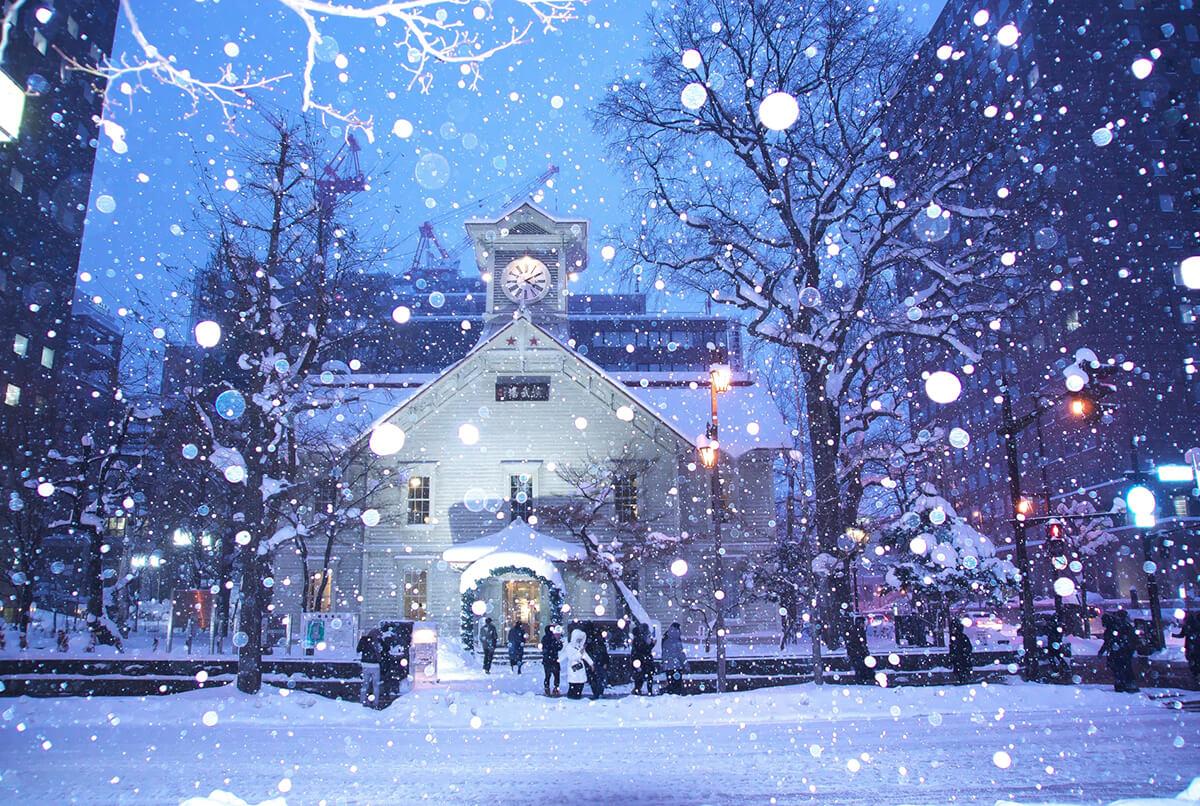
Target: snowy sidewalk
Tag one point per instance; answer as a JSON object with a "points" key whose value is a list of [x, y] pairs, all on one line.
{"points": [[492, 740]]}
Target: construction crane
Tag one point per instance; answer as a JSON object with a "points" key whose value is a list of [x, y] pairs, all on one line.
{"points": [[343, 175], [432, 259]]}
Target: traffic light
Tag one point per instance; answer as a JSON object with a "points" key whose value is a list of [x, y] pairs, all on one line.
{"points": [[1056, 542], [1141, 503]]}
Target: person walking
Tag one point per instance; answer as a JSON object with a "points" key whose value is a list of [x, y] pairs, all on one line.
{"points": [[673, 658], [578, 662], [551, 646], [597, 648], [1189, 631], [642, 658], [1120, 644], [370, 653], [488, 638], [857, 651], [962, 659], [516, 647]]}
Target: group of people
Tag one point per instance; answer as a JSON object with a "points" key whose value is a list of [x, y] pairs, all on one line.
{"points": [[584, 658]]}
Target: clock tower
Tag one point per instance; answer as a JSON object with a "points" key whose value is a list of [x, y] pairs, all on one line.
{"points": [[526, 257]]}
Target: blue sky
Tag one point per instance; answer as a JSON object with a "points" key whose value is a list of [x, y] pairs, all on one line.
{"points": [[530, 110]]}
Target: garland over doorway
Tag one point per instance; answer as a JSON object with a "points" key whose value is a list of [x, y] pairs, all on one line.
{"points": [[467, 616]]}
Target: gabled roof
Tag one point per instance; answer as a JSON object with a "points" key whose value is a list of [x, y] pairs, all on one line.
{"points": [[750, 421], [512, 209]]}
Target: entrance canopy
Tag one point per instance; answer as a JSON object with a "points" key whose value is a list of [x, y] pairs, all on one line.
{"points": [[518, 538], [515, 546]]}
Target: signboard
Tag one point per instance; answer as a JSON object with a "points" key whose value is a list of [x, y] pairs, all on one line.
{"points": [[329, 633], [422, 654], [517, 388]]}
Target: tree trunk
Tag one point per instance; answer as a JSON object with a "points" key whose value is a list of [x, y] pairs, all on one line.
{"points": [[24, 611], [833, 597], [249, 675], [224, 579], [326, 561]]}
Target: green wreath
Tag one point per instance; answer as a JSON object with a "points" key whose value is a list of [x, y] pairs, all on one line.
{"points": [[467, 618]]}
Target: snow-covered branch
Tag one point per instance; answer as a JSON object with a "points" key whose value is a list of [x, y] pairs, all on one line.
{"points": [[432, 32]]}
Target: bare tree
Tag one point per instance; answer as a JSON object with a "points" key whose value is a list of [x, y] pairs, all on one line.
{"points": [[273, 292], [329, 499], [98, 481], [614, 534], [430, 32], [772, 172]]}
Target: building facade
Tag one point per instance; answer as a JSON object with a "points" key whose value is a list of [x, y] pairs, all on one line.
{"points": [[487, 472], [1092, 106], [48, 139]]}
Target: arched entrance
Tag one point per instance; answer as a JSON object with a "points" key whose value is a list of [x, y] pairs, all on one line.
{"points": [[525, 564], [518, 587]]}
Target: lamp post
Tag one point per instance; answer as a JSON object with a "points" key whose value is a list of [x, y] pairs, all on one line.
{"points": [[858, 541], [720, 379]]}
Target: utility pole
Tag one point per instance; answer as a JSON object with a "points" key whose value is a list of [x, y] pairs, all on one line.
{"points": [[1010, 430]]}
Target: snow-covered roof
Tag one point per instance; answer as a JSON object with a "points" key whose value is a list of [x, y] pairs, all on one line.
{"points": [[748, 418], [516, 538]]}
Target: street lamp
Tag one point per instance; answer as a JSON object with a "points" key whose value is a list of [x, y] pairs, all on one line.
{"points": [[858, 539], [720, 379]]}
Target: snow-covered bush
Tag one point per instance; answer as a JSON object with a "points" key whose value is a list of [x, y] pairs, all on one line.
{"points": [[932, 553]]}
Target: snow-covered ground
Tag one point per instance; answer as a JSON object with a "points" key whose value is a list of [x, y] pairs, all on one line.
{"points": [[496, 740]]}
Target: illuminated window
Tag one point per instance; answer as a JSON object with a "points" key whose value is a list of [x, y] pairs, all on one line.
{"points": [[20, 344], [47, 357], [520, 492], [12, 395], [416, 586], [418, 499], [12, 108], [320, 599], [625, 498]]}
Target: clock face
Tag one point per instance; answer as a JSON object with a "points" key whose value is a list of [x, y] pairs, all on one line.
{"points": [[525, 280]]}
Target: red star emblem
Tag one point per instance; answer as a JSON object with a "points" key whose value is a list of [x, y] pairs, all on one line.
{"points": [[533, 342], [512, 340]]}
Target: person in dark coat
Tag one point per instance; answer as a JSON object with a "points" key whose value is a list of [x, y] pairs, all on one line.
{"points": [[857, 651], [551, 646], [1189, 631], [642, 658], [370, 654], [962, 660], [516, 647], [1120, 644], [673, 658], [488, 638], [597, 649]]}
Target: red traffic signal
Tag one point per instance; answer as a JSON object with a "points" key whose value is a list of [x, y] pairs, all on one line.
{"points": [[1056, 543]]}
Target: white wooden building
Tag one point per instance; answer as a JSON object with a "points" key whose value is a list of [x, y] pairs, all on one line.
{"points": [[487, 459]]}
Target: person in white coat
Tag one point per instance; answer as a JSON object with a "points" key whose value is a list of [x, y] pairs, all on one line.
{"points": [[576, 660]]}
